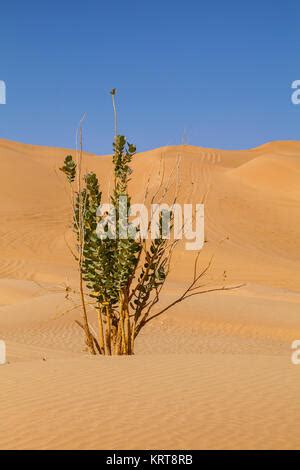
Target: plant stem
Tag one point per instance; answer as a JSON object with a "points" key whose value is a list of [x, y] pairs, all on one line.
{"points": [[108, 331], [101, 335], [89, 338], [115, 114]]}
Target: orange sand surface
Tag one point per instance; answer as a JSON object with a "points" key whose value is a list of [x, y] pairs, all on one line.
{"points": [[213, 373]]}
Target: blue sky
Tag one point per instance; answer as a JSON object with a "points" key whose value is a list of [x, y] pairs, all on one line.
{"points": [[215, 74]]}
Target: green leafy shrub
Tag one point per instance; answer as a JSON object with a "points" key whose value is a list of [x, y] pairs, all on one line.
{"points": [[124, 277]]}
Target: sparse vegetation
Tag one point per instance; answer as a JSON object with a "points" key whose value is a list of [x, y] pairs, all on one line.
{"points": [[124, 277]]}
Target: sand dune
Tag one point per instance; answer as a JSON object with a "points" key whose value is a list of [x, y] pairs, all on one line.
{"points": [[215, 372], [271, 171]]}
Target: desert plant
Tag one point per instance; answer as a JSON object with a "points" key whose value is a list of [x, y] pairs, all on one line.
{"points": [[123, 276]]}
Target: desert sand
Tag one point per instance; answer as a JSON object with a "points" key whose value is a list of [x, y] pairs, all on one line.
{"points": [[214, 372]]}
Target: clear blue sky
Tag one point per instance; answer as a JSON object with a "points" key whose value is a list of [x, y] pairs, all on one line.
{"points": [[211, 73]]}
